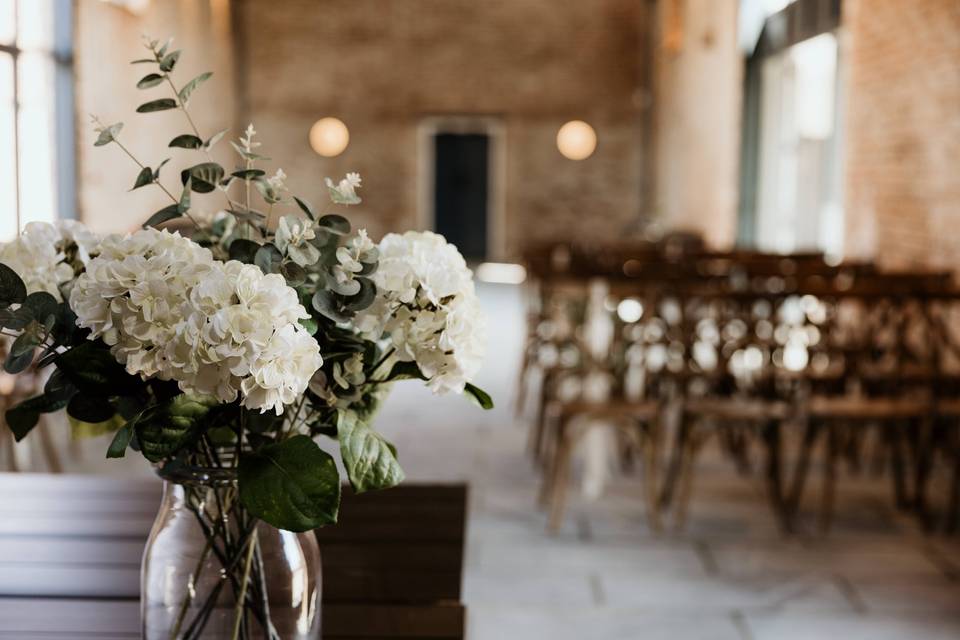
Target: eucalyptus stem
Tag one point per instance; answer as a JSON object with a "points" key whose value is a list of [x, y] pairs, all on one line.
{"points": [[248, 563], [191, 591]]}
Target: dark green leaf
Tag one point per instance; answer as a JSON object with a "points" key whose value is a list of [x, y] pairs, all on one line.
{"points": [[149, 80], [268, 258], [243, 250], [89, 408], [143, 61], [311, 325], [156, 172], [121, 439], [190, 87], [266, 190], [291, 485], [215, 138], [247, 174], [16, 320], [169, 61], [370, 461], [481, 397], [184, 204], [144, 178], [21, 353], [167, 213], [293, 273], [23, 417], [405, 371], [325, 302], [336, 224], [41, 304], [93, 369], [364, 298], [305, 207], [186, 141], [162, 104], [205, 176], [108, 134], [164, 429], [12, 288]]}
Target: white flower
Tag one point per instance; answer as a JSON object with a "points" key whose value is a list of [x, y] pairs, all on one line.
{"points": [[345, 191], [48, 257], [427, 306], [169, 310]]}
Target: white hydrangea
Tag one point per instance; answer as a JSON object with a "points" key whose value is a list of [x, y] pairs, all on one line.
{"points": [[48, 256], [169, 310], [427, 306]]}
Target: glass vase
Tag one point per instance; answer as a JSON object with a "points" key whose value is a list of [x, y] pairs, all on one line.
{"points": [[211, 570]]}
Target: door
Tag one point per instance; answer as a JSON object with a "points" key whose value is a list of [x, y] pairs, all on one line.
{"points": [[461, 191]]}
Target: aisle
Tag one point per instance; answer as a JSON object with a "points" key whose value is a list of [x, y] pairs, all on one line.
{"points": [[606, 577]]}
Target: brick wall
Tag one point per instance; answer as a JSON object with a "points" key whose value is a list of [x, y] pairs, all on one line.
{"points": [[382, 66], [903, 131]]}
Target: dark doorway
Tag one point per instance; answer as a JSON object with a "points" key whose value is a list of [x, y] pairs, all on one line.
{"points": [[460, 191]]}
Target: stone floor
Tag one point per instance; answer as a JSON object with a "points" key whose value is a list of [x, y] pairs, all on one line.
{"points": [[728, 575]]}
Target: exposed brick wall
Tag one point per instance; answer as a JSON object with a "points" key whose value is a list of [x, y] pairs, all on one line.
{"points": [[903, 131], [382, 66]]}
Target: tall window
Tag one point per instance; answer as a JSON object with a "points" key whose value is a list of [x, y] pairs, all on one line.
{"points": [[37, 170]]}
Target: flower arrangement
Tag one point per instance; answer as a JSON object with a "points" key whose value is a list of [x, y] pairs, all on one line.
{"points": [[242, 337]]}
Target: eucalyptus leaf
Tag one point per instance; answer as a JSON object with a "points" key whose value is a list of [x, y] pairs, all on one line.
{"points": [[365, 297], [347, 287], [150, 80], [92, 368], [305, 207], [190, 87], [370, 460], [163, 104], [266, 190], [292, 485], [164, 429], [21, 353], [167, 213], [16, 320], [335, 223], [41, 304], [121, 440], [144, 178], [215, 138], [205, 176], [12, 288], [293, 273], [156, 172], [186, 141], [268, 258], [327, 305], [184, 204], [108, 134], [89, 408], [248, 174], [169, 61], [23, 417], [243, 250]]}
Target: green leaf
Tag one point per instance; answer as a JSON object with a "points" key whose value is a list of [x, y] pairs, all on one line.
{"points": [[337, 224], [150, 80], [266, 191], [144, 178], [293, 273], [12, 288], [42, 305], [169, 61], [94, 370], [90, 408], [121, 440], [16, 320], [143, 61], [364, 298], [248, 174], [205, 176], [164, 429], [405, 371], [325, 302], [184, 204], [156, 172], [479, 396], [243, 250], [370, 461], [190, 87], [186, 141], [268, 258], [163, 104], [305, 207], [214, 139], [108, 134], [292, 485], [23, 417], [167, 213], [310, 324], [21, 353]]}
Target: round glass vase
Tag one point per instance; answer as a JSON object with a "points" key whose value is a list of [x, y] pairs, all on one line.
{"points": [[210, 570]]}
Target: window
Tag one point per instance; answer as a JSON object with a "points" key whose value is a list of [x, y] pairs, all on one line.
{"points": [[37, 174]]}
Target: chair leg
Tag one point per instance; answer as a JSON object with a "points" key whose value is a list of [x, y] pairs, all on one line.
{"points": [[537, 436], [802, 468], [651, 446], [771, 437], [829, 479], [560, 481], [896, 459], [927, 437], [686, 480], [953, 510], [674, 466], [520, 401]]}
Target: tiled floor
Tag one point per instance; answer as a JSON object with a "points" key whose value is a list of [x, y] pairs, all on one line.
{"points": [[729, 576]]}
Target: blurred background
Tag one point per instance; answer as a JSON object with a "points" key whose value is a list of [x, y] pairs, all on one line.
{"points": [[715, 241]]}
